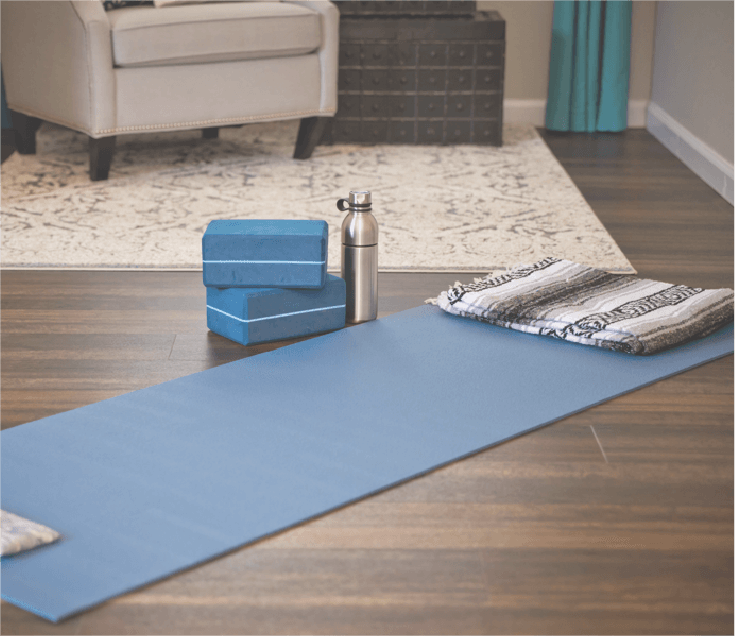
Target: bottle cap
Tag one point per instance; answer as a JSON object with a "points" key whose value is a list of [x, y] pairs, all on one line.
{"points": [[359, 201], [360, 197], [359, 227]]}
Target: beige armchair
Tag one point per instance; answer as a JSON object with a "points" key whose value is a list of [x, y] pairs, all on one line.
{"points": [[185, 66]]}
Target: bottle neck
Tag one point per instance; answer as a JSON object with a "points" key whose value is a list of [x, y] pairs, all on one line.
{"points": [[344, 204]]}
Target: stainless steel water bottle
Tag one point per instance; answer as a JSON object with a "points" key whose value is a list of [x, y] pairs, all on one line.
{"points": [[360, 256]]}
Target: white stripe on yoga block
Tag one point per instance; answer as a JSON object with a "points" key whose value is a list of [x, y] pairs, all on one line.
{"points": [[293, 313]]}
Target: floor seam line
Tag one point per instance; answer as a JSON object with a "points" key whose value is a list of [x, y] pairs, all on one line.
{"points": [[599, 443]]}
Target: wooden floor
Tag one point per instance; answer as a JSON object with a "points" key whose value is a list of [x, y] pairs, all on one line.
{"points": [[615, 520]]}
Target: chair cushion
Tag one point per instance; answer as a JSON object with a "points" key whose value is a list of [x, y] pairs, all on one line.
{"points": [[169, 3], [111, 5], [218, 32]]}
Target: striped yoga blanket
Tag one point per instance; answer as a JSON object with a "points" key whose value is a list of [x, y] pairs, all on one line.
{"points": [[18, 534], [590, 306]]}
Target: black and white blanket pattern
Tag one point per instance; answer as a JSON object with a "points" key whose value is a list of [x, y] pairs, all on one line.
{"points": [[18, 534], [574, 302]]}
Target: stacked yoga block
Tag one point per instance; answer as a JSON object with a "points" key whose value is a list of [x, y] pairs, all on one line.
{"points": [[267, 280]]}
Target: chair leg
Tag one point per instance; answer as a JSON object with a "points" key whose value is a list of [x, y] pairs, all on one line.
{"points": [[210, 133], [25, 128], [100, 157], [310, 132]]}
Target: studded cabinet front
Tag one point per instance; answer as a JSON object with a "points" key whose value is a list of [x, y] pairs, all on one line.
{"points": [[420, 79]]}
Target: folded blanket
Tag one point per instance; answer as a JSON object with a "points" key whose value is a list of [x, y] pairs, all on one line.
{"points": [[582, 304], [18, 534]]}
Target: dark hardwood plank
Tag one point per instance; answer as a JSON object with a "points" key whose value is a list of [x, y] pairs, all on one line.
{"points": [[668, 222], [618, 519]]}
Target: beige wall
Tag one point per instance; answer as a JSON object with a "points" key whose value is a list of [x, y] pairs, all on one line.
{"points": [[527, 43], [693, 69], [528, 40], [641, 48]]}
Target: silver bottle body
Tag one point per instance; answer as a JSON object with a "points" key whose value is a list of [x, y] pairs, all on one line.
{"points": [[360, 273], [360, 261]]}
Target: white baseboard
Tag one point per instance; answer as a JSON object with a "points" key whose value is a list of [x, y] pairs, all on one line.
{"points": [[533, 111], [696, 155]]}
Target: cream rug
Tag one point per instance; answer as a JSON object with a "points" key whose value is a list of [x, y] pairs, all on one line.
{"points": [[456, 208]]}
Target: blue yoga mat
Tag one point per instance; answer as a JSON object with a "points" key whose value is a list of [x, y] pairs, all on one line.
{"points": [[151, 482]]}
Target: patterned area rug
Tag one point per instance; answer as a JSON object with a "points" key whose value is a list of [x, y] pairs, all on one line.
{"points": [[456, 208]]}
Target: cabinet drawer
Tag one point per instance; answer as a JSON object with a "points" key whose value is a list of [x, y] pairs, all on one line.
{"points": [[365, 6], [488, 105], [349, 54], [462, 6], [400, 79], [374, 79], [346, 130], [374, 106], [458, 132], [374, 131], [432, 54], [432, 79], [349, 79], [489, 79], [402, 54], [461, 54], [438, 6], [402, 132], [374, 54], [348, 106], [490, 54], [460, 79], [430, 131], [488, 132], [459, 105], [431, 105], [412, 6], [402, 105]]}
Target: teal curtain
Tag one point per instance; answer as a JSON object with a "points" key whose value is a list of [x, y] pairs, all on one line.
{"points": [[589, 69]]}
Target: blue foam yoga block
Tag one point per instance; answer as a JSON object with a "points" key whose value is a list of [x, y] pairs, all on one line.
{"points": [[250, 315], [265, 253]]}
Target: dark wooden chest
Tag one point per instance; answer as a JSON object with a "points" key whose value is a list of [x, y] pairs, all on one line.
{"points": [[421, 78], [406, 7]]}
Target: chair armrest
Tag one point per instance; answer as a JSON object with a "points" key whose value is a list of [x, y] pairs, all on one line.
{"points": [[57, 63], [328, 51]]}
